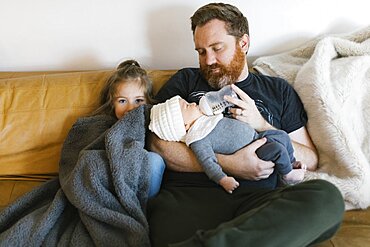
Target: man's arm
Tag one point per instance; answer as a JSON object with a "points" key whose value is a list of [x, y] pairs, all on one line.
{"points": [[242, 164], [304, 149], [246, 164], [177, 155]]}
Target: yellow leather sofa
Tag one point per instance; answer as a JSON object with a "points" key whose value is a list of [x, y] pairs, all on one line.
{"points": [[37, 110]]}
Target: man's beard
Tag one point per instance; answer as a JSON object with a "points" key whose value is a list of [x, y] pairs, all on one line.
{"points": [[227, 74]]}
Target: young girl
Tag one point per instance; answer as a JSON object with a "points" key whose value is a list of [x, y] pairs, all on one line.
{"points": [[127, 88]]}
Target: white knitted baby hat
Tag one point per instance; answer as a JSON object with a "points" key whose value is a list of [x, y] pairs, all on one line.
{"points": [[166, 120]]}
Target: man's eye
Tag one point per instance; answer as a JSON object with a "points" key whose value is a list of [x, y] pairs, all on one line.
{"points": [[201, 52], [217, 48]]}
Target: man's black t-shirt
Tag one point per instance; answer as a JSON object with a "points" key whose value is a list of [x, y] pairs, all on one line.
{"points": [[276, 100]]}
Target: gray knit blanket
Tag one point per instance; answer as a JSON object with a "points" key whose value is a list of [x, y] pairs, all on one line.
{"points": [[100, 195]]}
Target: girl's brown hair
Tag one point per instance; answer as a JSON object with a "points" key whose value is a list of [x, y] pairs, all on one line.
{"points": [[126, 71]]}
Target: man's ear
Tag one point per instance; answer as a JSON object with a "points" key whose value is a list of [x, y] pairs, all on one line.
{"points": [[244, 43]]}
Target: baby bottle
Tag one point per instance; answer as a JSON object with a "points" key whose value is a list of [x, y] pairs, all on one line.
{"points": [[213, 103]]}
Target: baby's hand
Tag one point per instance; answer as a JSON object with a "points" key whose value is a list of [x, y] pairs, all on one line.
{"points": [[229, 184]]}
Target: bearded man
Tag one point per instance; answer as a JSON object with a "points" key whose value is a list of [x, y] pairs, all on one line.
{"points": [[191, 210]]}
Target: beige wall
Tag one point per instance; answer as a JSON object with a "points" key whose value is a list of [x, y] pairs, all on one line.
{"points": [[97, 34]]}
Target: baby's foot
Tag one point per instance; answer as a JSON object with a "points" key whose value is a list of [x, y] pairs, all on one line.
{"points": [[295, 176], [229, 184]]}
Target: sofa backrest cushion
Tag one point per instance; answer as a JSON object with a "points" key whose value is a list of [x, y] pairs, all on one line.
{"points": [[38, 109]]}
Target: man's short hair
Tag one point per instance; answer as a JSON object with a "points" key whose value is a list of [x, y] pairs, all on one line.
{"points": [[236, 22]]}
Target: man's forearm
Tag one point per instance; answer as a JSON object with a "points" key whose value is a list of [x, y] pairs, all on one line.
{"points": [[178, 156], [304, 149], [305, 155], [228, 164], [302, 153], [245, 163]]}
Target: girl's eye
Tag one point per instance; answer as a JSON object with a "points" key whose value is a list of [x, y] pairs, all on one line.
{"points": [[140, 101], [122, 101]]}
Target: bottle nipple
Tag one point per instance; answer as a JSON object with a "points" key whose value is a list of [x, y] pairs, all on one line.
{"points": [[213, 103]]}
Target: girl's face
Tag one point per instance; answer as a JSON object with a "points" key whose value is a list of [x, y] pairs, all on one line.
{"points": [[129, 95]]}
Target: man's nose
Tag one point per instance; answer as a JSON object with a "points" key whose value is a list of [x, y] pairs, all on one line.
{"points": [[210, 58]]}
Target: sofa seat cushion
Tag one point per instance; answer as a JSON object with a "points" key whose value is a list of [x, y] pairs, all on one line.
{"points": [[10, 190]]}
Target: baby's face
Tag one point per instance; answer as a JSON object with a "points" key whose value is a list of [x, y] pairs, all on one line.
{"points": [[190, 111]]}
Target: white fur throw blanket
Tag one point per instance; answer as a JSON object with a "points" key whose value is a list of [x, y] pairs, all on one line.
{"points": [[331, 74]]}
